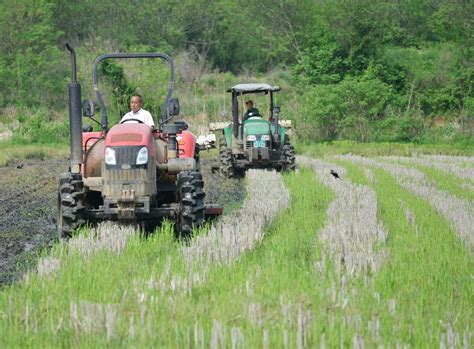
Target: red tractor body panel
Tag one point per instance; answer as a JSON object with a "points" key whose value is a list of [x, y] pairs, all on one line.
{"points": [[186, 144], [131, 135]]}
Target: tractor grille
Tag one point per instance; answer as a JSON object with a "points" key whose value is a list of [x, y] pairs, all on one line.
{"points": [[126, 176], [126, 155], [141, 179]]}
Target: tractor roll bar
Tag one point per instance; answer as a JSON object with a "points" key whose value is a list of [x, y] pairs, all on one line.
{"points": [[95, 78], [235, 114]]}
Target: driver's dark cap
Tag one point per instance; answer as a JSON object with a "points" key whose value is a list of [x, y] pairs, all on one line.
{"points": [[248, 102]]}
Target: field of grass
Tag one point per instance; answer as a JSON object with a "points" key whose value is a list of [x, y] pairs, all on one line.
{"points": [[382, 149], [13, 153], [382, 257]]}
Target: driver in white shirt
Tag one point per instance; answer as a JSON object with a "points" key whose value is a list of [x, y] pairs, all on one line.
{"points": [[137, 113]]}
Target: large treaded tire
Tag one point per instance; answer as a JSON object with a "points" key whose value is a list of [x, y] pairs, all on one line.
{"points": [[191, 195], [289, 157], [226, 167], [197, 158], [70, 204]]}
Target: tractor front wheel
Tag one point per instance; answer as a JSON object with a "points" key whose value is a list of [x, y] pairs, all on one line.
{"points": [[225, 160], [70, 204], [289, 157], [191, 199]]}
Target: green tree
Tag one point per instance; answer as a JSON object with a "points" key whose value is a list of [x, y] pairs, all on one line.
{"points": [[32, 68]]}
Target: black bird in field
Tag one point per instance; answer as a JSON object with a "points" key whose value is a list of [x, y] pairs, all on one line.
{"points": [[334, 174], [19, 166]]}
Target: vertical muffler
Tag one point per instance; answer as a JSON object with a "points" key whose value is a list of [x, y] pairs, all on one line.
{"points": [[75, 117]]}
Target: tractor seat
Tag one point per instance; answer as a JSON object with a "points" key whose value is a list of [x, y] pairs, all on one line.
{"points": [[183, 125]]}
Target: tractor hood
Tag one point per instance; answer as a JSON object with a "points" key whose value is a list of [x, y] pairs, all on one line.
{"points": [[130, 135], [257, 127]]}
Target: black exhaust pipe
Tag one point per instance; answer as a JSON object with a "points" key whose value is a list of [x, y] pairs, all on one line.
{"points": [[75, 117]]}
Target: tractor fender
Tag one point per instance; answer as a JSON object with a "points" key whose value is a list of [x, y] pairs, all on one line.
{"points": [[186, 144], [93, 159], [89, 138], [161, 150]]}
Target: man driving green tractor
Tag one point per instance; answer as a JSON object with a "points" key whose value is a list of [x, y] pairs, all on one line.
{"points": [[251, 111]]}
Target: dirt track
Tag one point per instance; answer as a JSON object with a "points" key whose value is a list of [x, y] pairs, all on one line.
{"points": [[28, 209]]}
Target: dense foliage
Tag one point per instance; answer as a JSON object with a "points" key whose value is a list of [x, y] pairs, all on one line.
{"points": [[362, 70]]}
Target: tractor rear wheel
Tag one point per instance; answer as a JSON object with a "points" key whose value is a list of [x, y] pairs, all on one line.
{"points": [[70, 204], [225, 160], [289, 157], [191, 199]]}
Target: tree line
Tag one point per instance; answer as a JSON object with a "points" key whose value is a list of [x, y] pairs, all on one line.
{"points": [[364, 70]]}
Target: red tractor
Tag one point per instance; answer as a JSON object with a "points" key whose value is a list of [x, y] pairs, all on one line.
{"points": [[130, 172]]}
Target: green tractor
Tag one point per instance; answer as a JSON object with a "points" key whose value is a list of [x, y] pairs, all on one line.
{"points": [[254, 140]]}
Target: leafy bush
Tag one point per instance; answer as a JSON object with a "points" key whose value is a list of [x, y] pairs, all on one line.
{"points": [[40, 128], [347, 109]]}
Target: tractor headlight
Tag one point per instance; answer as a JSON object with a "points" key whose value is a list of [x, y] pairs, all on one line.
{"points": [[142, 157], [265, 137], [251, 138], [110, 156]]}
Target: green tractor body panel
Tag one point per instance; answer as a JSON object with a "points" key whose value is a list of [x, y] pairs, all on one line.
{"points": [[281, 131], [256, 127], [228, 135]]}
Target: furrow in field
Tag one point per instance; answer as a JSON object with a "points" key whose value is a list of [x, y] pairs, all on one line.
{"points": [[459, 212], [449, 165], [229, 237], [352, 231]]}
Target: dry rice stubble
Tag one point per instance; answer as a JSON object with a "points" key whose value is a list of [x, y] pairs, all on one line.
{"points": [[352, 231], [240, 231], [459, 212]]}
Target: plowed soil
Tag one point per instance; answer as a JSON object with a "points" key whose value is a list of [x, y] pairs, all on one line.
{"points": [[28, 205]]}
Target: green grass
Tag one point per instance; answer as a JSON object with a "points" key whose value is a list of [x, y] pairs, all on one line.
{"points": [[286, 291], [284, 260], [428, 274], [381, 149], [445, 181], [13, 153]]}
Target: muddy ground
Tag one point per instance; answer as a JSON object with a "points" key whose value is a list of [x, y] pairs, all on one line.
{"points": [[28, 192]]}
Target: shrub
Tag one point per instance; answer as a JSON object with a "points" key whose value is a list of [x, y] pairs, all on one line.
{"points": [[345, 110], [41, 128]]}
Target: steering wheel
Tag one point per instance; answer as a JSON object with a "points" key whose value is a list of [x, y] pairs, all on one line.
{"points": [[127, 120]]}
